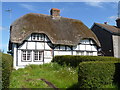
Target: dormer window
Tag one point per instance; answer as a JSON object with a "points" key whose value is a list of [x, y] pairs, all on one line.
{"points": [[37, 37], [33, 36]]}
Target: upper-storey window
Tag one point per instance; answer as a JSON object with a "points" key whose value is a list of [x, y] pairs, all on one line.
{"points": [[87, 41], [37, 37], [92, 42]]}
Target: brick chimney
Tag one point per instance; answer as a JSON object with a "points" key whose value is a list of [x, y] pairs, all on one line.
{"points": [[118, 22], [105, 22], [55, 12]]}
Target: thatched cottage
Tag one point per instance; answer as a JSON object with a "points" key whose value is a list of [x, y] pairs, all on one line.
{"points": [[109, 37], [37, 38]]}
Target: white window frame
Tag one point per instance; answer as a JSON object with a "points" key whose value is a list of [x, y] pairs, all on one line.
{"points": [[37, 37], [37, 54], [89, 53], [33, 37], [26, 55], [80, 53]]}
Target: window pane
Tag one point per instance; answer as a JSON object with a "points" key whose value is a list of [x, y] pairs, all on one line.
{"points": [[40, 54], [37, 36], [41, 37], [90, 53], [37, 55], [33, 36], [26, 55], [80, 53]]}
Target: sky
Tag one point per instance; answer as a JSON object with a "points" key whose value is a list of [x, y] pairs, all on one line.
{"points": [[87, 12]]}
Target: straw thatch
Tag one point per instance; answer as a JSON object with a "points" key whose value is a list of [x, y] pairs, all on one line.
{"points": [[60, 30]]}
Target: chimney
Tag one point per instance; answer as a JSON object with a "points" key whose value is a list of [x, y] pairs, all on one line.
{"points": [[105, 22], [55, 12], [118, 22]]}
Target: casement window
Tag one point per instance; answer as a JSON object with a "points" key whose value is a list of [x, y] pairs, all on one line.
{"points": [[38, 55], [57, 48], [26, 55], [89, 53], [80, 53], [32, 55], [37, 37], [33, 37], [41, 38], [92, 42]]}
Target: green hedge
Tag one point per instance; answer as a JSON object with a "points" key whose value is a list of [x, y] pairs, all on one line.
{"points": [[94, 71], [98, 74], [75, 60], [6, 69], [0, 71]]}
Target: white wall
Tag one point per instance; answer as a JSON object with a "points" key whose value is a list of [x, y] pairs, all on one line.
{"points": [[40, 45], [14, 55], [82, 49], [85, 47], [62, 53]]}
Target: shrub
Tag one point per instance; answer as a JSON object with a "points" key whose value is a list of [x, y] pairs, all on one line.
{"points": [[75, 60], [96, 74], [6, 69]]}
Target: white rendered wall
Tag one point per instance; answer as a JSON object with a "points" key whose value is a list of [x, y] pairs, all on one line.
{"points": [[40, 45], [81, 49], [14, 55], [47, 47], [62, 53]]}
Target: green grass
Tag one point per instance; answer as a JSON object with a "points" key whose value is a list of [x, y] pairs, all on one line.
{"points": [[29, 77]]}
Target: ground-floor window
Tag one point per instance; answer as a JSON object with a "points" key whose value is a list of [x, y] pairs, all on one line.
{"points": [[32, 55], [80, 53], [26, 55], [38, 55], [89, 53]]}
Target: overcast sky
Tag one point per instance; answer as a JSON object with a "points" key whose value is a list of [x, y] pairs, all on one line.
{"points": [[87, 12]]}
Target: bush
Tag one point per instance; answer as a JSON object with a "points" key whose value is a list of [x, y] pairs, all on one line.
{"points": [[75, 60], [97, 74], [6, 69]]}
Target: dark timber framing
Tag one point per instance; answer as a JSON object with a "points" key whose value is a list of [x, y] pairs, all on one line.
{"points": [[53, 47]]}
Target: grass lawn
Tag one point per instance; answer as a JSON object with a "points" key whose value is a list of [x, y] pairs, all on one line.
{"points": [[30, 77]]}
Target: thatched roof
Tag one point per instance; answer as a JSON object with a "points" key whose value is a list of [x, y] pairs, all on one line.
{"points": [[109, 28], [60, 30]]}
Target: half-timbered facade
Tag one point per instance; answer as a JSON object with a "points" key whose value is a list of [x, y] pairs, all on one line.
{"points": [[37, 38]]}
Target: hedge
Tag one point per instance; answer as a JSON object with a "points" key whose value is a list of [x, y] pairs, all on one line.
{"points": [[0, 71], [6, 69], [75, 60], [97, 74]]}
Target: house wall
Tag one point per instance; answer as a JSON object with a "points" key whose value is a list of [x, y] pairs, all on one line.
{"points": [[85, 47], [14, 46], [105, 39], [116, 45]]}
